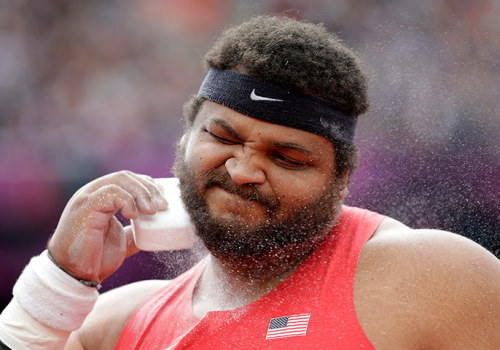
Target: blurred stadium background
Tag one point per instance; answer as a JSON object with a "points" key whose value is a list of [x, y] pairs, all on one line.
{"points": [[91, 87]]}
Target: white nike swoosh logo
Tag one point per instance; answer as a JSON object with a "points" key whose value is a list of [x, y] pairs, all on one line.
{"points": [[256, 97]]}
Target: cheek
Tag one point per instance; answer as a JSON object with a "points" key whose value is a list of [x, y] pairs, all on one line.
{"points": [[204, 156], [300, 189]]}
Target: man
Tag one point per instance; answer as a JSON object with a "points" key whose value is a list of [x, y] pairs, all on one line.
{"points": [[264, 165]]}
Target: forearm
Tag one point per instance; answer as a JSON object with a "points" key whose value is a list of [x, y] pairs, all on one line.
{"points": [[48, 305], [52, 298], [18, 330]]}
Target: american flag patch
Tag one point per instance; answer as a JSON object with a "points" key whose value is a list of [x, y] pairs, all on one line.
{"points": [[288, 326]]}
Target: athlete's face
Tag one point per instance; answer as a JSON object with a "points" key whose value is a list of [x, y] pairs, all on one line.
{"points": [[252, 186]]}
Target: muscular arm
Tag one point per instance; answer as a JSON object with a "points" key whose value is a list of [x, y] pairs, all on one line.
{"points": [[103, 326], [88, 245], [427, 289], [465, 294]]}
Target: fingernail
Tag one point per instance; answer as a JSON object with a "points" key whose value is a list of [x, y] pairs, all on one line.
{"points": [[160, 202]]}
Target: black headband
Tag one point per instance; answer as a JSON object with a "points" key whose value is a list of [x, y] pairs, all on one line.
{"points": [[271, 103]]}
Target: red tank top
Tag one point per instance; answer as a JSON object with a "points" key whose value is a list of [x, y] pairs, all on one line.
{"points": [[311, 309]]}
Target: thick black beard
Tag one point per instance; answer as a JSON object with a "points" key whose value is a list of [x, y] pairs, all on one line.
{"points": [[238, 241]]}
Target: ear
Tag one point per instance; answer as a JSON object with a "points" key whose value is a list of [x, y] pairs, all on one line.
{"points": [[343, 192], [182, 141], [343, 189]]}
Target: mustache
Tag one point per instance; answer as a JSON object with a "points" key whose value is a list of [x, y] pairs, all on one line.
{"points": [[249, 192]]}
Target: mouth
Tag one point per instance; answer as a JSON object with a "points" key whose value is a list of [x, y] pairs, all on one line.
{"points": [[248, 193], [234, 191]]}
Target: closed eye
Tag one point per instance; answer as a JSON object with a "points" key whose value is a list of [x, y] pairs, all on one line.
{"points": [[221, 139], [286, 162]]}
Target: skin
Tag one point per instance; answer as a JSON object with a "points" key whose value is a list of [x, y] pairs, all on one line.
{"points": [[89, 241], [414, 289], [268, 157]]}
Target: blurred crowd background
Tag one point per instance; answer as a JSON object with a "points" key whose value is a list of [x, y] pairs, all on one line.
{"points": [[91, 87]]}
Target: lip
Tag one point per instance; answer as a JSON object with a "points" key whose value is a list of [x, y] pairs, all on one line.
{"points": [[223, 187], [234, 202], [234, 194], [241, 197]]}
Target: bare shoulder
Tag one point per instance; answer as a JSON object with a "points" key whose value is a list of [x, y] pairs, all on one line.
{"points": [[103, 326], [443, 289]]}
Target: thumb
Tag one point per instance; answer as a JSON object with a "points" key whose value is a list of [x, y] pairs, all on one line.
{"points": [[131, 247]]}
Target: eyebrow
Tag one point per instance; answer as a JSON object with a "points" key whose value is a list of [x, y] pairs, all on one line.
{"points": [[292, 146], [227, 128], [278, 144]]}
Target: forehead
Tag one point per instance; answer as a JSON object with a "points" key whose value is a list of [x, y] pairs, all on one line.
{"points": [[252, 129]]}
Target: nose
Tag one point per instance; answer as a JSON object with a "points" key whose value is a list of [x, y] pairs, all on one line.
{"points": [[244, 170]]}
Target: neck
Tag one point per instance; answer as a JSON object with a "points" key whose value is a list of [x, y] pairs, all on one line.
{"points": [[228, 283], [277, 262], [264, 267]]}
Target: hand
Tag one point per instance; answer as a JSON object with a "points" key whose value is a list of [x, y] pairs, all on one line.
{"points": [[89, 241]]}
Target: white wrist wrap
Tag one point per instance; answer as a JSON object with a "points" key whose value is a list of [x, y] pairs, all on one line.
{"points": [[53, 297], [20, 331]]}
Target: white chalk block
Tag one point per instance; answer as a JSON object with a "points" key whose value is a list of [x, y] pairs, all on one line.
{"points": [[165, 230]]}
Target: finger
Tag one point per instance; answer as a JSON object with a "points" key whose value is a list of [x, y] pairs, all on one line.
{"points": [[141, 190], [107, 200], [129, 236], [114, 249], [156, 191], [144, 190]]}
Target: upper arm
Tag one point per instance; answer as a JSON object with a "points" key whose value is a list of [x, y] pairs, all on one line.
{"points": [[74, 342], [464, 289], [428, 288], [104, 324]]}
